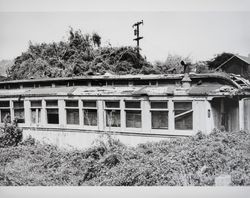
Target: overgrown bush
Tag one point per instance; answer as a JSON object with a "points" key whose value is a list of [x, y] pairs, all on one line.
{"points": [[10, 133], [196, 160]]}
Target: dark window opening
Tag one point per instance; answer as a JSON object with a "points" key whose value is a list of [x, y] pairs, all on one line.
{"points": [[153, 82], [81, 83], [112, 104], [36, 103], [71, 103], [19, 111], [98, 83], [61, 84], [133, 119], [51, 103], [52, 116], [141, 82], [28, 85], [45, 84], [120, 82], [165, 82], [109, 83], [132, 104], [72, 116], [159, 105], [159, 119], [89, 103], [15, 86], [4, 103], [4, 113]]}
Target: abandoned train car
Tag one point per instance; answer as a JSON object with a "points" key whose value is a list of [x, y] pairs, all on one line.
{"points": [[135, 108]]}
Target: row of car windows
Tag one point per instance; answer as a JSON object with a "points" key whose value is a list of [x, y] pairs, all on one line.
{"points": [[159, 113]]}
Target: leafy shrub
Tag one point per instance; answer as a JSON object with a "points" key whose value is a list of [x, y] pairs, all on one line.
{"points": [[195, 160], [10, 134]]}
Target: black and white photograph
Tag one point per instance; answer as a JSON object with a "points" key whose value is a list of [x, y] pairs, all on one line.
{"points": [[125, 93]]}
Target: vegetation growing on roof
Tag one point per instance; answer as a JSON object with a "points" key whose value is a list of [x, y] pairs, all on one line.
{"points": [[80, 54]]}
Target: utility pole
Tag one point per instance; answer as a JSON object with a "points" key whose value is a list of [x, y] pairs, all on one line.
{"points": [[137, 34]]}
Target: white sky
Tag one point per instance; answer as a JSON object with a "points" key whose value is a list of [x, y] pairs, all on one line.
{"points": [[195, 28]]}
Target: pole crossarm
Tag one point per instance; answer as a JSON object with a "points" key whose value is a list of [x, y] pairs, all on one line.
{"points": [[137, 34]]}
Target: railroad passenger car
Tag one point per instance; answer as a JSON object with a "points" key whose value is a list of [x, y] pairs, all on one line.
{"points": [[74, 111]]}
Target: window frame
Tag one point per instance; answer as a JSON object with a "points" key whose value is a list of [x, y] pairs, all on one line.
{"points": [[5, 108], [189, 111], [126, 109], [72, 108], [110, 109], [90, 108], [159, 110], [38, 110], [19, 108], [51, 108]]}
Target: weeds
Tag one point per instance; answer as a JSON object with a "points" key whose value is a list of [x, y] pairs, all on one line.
{"points": [[196, 160]]}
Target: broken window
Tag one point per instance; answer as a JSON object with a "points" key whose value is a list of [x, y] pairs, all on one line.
{"points": [[36, 111], [4, 110], [52, 112], [159, 114], [133, 114], [19, 111], [183, 115], [112, 109], [89, 113], [72, 111]]}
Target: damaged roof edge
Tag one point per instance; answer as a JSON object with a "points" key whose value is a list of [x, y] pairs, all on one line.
{"points": [[217, 75]]}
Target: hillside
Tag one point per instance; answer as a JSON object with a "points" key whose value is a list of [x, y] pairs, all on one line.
{"points": [[196, 160]]}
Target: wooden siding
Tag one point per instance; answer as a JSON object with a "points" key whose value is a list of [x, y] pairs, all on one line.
{"points": [[237, 66], [247, 114]]}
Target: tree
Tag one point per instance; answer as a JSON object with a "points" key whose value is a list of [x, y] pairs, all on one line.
{"points": [[218, 60]]}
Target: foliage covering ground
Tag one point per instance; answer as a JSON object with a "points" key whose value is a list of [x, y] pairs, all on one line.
{"points": [[192, 161]]}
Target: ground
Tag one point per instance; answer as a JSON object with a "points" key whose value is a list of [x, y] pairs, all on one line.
{"points": [[196, 160]]}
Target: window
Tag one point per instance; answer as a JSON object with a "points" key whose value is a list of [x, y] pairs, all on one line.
{"points": [[36, 111], [120, 82], [51, 103], [113, 118], [133, 114], [4, 110], [159, 114], [52, 112], [72, 111], [183, 115], [19, 111], [141, 82], [98, 83], [89, 113]]}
